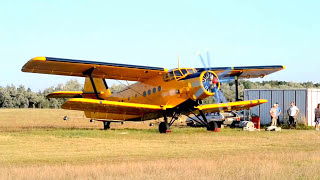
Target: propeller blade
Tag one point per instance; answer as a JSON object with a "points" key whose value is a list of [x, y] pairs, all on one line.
{"points": [[225, 72], [217, 98], [204, 64], [208, 59], [226, 80], [216, 94]]}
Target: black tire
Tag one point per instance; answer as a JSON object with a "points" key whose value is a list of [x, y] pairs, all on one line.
{"points": [[106, 125], [233, 124], [212, 126], [162, 127]]}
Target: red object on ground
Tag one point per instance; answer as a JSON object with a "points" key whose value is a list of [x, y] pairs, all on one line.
{"points": [[168, 131], [216, 129], [256, 122]]}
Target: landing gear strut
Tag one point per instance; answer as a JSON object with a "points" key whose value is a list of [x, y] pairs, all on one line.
{"points": [[106, 125], [211, 126], [164, 127]]}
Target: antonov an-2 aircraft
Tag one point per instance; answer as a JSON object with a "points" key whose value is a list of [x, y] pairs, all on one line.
{"points": [[158, 92]]}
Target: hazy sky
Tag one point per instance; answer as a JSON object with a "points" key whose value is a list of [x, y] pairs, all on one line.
{"points": [[152, 33]]}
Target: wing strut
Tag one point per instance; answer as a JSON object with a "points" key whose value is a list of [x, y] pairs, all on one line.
{"points": [[203, 117], [236, 83], [237, 88], [89, 73]]}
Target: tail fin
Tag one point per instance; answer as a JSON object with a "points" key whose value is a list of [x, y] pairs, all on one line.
{"points": [[101, 86]]}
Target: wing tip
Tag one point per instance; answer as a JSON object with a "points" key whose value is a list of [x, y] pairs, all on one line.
{"points": [[26, 67], [39, 58]]}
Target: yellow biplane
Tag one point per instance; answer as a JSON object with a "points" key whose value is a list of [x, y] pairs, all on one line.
{"points": [[158, 92]]}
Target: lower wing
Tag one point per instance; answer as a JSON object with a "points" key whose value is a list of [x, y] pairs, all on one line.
{"points": [[113, 107], [230, 106]]}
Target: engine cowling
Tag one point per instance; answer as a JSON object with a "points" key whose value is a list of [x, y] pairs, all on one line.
{"points": [[205, 85]]}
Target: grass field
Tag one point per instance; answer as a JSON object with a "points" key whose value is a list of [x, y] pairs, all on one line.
{"points": [[38, 144]]}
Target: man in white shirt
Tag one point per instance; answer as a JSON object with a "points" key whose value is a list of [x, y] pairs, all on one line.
{"points": [[293, 112]]}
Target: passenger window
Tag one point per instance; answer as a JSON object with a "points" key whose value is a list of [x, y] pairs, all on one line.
{"points": [[159, 88], [149, 92], [144, 94], [154, 90]]}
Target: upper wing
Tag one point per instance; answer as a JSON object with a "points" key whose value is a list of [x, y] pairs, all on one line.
{"points": [[245, 71], [71, 67], [114, 107], [231, 106]]}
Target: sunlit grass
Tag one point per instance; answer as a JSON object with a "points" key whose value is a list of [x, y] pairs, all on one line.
{"points": [[50, 148]]}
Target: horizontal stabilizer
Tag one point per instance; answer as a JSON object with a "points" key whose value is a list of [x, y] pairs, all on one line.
{"points": [[65, 94]]}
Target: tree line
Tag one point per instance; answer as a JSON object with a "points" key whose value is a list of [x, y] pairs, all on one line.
{"points": [[22, 97]]}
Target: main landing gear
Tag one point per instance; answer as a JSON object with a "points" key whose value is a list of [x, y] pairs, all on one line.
{"points": [[210, 125], [164, 127], [106, 125]]}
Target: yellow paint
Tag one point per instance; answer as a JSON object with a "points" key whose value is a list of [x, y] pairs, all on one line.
{"points": [[64, 94], [40, 58], [154, 92], [231, 105]]}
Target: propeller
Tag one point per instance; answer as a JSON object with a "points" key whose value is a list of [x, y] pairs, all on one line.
{"points": [[211, 83]]}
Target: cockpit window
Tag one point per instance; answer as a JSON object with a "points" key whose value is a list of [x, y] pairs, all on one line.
{"points": [[177, 73], [169, 76], [184, 71], [190, 71]]}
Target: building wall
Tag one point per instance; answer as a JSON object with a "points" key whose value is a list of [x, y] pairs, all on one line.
{"points": [[313, 96], [302, 98]]}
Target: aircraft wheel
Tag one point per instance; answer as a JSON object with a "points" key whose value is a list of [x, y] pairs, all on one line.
{"points": [[106, 125], [162, 127], [212, 126]]}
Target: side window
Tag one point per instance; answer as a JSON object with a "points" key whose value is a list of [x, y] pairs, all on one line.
{"points": [[144, 94], [159, 88], [149, 92], [154, 90]]}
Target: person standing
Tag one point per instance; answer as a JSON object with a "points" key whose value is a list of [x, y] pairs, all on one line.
{"points": [[293, 112], [317, 117], [278, 113], [274, 115]]}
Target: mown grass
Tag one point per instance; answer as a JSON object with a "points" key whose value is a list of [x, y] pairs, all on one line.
{"points": [[76, 149]]}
